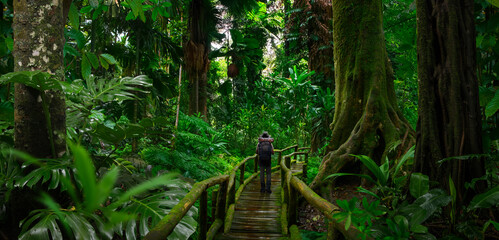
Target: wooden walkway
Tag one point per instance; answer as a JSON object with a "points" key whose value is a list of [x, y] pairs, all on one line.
{"points": [[257, 215]]}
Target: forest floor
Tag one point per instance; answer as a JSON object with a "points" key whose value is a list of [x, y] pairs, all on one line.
{"points": [[311, 219]]}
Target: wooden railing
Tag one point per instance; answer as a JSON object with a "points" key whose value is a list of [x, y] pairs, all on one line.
{"points": [[223, 201], [292, 187]]}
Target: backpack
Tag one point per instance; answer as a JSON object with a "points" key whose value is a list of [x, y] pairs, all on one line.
{"points": [[265, 150]]}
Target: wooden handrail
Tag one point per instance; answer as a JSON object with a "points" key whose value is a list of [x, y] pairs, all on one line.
{"points": [[226, 199], [167, 224], [291, 185], [285, 149]]}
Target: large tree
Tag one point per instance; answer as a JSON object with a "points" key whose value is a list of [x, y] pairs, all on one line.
{"points": [[367, 119], [449, 113], [38, 44]]}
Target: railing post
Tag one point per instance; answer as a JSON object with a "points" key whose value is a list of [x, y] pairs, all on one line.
{"points": [[256, 164], [296, 150], [213, 204], [288, 162], [305, 167], [221, 199], [241, 178], [292, 205], [232, 194], [282, 170], [285, 191], [203, 215], [332, 233]]}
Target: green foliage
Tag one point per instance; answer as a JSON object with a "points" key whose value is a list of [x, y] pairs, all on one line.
{"points": [[101, 209], [190, 166], [386, 180], [485, 200], [376, 221], [419, 185]]}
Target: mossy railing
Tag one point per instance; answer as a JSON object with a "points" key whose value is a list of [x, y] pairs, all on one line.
{"points": [[223, 201], [292, 187]]}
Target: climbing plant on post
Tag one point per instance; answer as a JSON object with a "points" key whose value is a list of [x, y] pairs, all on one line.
{"points": [[449, 121], [367, 119]]}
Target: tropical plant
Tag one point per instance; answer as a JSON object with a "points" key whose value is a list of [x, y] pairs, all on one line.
{"points": [[98, 208], [388, 184]]}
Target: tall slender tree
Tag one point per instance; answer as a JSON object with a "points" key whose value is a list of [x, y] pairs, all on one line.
{"points": [[312, 22], [449, 122], [202, 21], [367, 119]]}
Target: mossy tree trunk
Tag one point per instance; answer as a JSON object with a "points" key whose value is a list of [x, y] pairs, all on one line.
{"points": [[449, 113], [38, 44], [196, 57], [367, 120]]}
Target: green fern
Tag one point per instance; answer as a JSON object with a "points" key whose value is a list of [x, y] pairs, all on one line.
{"points": [[188, 165], [93, 90]]}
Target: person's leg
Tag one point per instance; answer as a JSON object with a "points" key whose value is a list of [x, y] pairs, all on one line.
{"points": [[269, 173], [262, 178]]}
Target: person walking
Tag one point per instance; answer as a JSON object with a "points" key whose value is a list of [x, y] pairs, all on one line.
{"points": [[264, 150]]}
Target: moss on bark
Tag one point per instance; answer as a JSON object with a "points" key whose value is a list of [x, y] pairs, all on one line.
{"points": [[38, 44], [367, 119]]}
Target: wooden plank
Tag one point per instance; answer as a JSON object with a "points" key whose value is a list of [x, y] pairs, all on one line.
{"points": [[256, 236]]}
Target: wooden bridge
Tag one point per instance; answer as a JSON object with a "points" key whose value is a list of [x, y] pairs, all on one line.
{"points": [[245, 213]]}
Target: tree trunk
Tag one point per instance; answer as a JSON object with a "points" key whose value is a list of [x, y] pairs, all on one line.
{"points": [[367, 120], [449, 113], [39, 40], [38, 44], [196, 58]]}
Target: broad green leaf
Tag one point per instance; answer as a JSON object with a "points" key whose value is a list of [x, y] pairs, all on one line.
{"points": [[36, 79], [45, 224], [103, 63], [145, 186], [485, 200], [10, 43], [492, 106], [431, 201], [485, 95], [106, 184], [68, 49], [494, 2], [86, 9], [374, 168], [130, 16], [419, 184], [93, 59], [155, 13], [74, 16], [452, 189], [109, 58], [82, 229], [78, 36], [86, 176], [86, 67]]}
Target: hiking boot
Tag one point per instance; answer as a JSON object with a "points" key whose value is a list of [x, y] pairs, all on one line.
{"points": [[262, 190], [269, 191]]}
